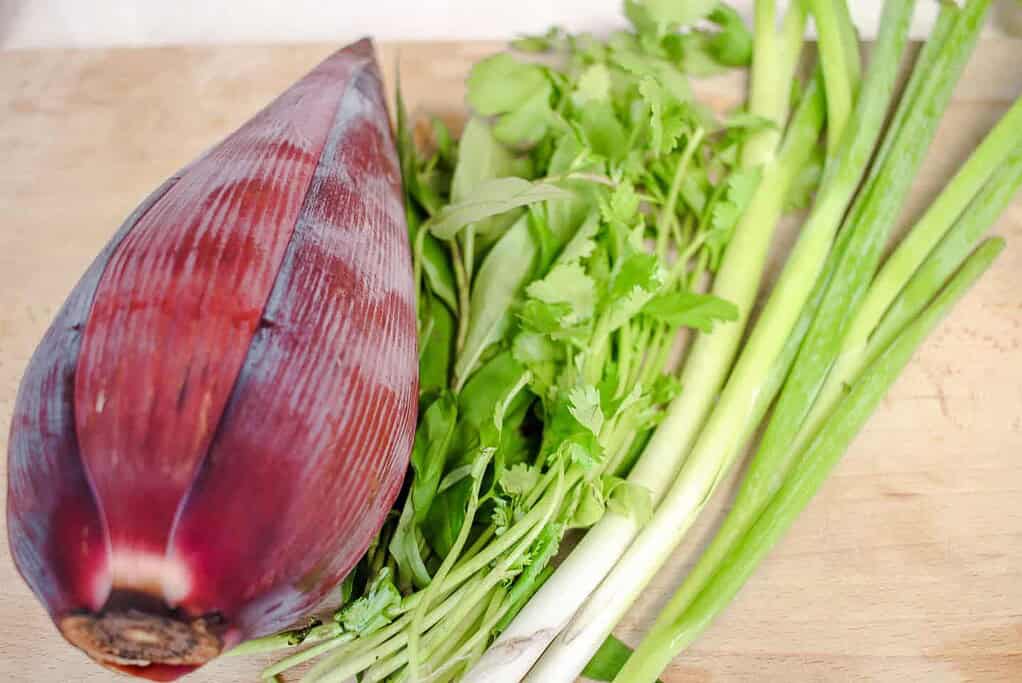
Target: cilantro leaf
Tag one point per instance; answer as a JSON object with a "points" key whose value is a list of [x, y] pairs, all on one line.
{"points": [[590, 506], [585, 407], [519, 479], [690, 309], [623, 206], [668, 118], [628, 499], [567, 284], [372, 611], [593, 85]]}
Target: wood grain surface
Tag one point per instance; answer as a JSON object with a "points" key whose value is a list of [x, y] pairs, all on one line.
{"points": [[907, 566]]}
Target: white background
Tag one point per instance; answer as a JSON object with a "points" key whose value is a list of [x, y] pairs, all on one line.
{"points": [[46, 23]]}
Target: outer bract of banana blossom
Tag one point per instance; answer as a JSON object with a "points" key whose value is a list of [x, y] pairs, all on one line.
{"points": [[217, 422]]}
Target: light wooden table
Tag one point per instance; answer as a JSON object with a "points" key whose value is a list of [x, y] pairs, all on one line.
{"points": [[907, 567]]}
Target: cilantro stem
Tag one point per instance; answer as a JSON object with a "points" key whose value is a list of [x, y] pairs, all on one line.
{"points": [[667, 214], [445, 631], [280, 641], [431, 591], [307, 654], [364, 652]]}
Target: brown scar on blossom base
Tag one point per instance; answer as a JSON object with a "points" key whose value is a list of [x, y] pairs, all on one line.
{"points": [[134, 638]]}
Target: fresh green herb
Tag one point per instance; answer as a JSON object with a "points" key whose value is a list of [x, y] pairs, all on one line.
{"points": [[557, 246]]}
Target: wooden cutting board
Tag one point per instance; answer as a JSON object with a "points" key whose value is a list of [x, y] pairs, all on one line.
{"points": [[907, 566]]}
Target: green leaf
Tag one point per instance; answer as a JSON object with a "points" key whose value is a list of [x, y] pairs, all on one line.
{"points": [[580, 455], [491, 198], [567, 284], [519, 479], [690, 309], [437, 268], [446, 148], [564, 216], [628, 499], [732, 45], [637, 278], [527, 123], [637, 270], [565, 436], [404, 549], [593, 85], [489, 391], [584, 406], [582, 242], [371, 612], [637, 13], [501, 83], [446, 515], [537, 43], [601, 130], [590, 508], [608, 660], [623, 206], [529, 348], [541, 355], [480, 157], [429, 454], [668, 119]]}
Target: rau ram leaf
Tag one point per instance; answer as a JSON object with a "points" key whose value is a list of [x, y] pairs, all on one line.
{"points": [[501, 83], [491, 198]]}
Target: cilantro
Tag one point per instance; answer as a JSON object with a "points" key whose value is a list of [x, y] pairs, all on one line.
{"points": [[690, 309], [567, 284], [585, 407]]}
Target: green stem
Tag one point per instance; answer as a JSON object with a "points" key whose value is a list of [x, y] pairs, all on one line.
{"points": [[431, 591], [828, 15], [858, 247], [671, 635], [280, 641], [958, 199], [949, 254], [667, 214], [307, 654], [368, 650], [871, 216]]}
